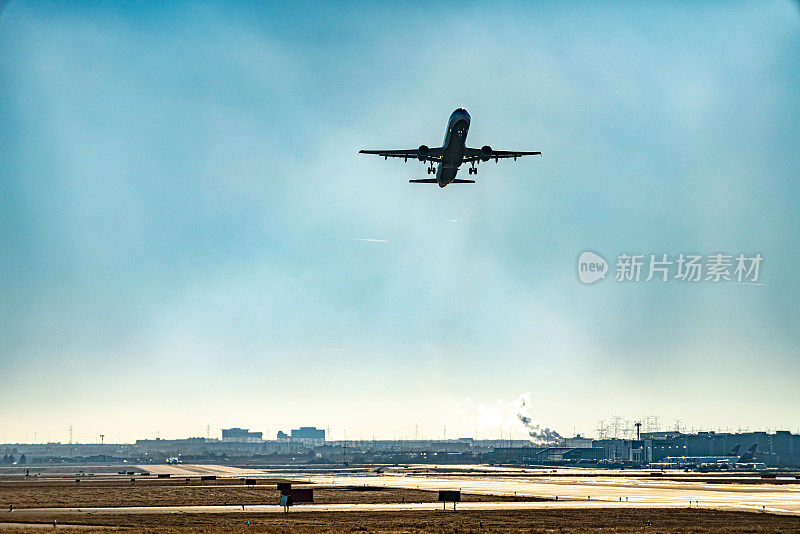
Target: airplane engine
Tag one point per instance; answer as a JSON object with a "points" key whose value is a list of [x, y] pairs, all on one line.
{"points": [[422, 151], [486, 153]]}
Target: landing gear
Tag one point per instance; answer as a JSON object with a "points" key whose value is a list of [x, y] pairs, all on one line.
{"points": [[431, 170], [473, 170]]}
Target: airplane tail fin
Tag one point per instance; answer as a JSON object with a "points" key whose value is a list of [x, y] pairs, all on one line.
{"points": [[750, 455], [734, 451]]}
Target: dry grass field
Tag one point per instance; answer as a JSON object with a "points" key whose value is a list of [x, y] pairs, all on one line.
{"points": [[115, 493], [534, 521]]}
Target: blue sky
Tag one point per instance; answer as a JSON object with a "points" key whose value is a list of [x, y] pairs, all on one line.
{"points": [[182, 215]]}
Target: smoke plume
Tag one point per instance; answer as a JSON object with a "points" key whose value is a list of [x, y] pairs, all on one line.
{"points": [[503, 416], [538, 433]]}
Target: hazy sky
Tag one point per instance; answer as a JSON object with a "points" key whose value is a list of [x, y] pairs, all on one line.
{"points": [[189, 238]]}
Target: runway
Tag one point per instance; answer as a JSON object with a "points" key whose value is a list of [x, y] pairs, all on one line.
{"points": [[618, 491]]}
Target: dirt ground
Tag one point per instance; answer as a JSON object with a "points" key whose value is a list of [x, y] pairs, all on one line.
{"points": [[99, 493], [662, 521]]}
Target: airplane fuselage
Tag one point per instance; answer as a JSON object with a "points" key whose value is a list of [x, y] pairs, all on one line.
{"points": [[455, 138], [444, 161]]}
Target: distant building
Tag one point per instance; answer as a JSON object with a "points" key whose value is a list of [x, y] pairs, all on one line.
{"points": [[624, 450], [308, 435], [578, 442], [543, 455], [240, 434]]}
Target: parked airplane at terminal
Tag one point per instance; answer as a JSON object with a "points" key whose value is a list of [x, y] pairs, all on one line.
{"points": [[452, 153], [714, 463]]}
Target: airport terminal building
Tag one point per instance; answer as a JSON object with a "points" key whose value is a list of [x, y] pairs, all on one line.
{"points": [[307, 444]]}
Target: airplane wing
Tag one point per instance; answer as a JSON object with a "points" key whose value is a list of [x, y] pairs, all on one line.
{"points": [[475, 154], [433, 154]]}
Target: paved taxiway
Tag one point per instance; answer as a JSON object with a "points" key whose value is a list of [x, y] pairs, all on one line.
{"points": [[577, 488], [599, 491]]}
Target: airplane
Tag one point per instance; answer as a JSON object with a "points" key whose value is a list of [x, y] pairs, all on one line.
{"points": [[451, 154], [713, 463], [749, 455]]}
